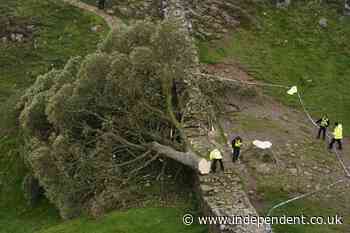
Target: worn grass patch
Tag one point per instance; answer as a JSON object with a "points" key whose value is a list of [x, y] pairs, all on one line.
{"points": [[252, 123], [282, 185], [292, 49]]}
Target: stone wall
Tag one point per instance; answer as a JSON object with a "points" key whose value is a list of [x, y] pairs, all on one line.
{"points": [[210, 19], [206, 19], [223, 195], [220, 194]]}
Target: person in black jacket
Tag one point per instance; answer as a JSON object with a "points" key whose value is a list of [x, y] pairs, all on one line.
{"points": [[323, 124]]}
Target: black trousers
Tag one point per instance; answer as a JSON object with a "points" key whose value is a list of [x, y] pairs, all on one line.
{"points": [[213, 166], [322, 131], [235, 154], [333, 141], [101, 4]]}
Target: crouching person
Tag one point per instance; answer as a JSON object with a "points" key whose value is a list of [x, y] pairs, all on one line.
{"points": [[216, 156]]}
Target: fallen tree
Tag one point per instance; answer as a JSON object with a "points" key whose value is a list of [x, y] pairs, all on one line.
{"points": [[106, 118]]}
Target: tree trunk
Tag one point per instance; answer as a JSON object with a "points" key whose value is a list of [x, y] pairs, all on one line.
{"points": [[189, 159]]}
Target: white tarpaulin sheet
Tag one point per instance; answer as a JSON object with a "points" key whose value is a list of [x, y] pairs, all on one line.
{"points": [[292, 90], [262, 144]]}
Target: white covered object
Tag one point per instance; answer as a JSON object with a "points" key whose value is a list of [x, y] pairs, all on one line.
{"points": [[292, 90], [262, 144]]}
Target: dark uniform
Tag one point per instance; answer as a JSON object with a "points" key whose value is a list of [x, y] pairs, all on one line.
{"points": [[323, 124]]}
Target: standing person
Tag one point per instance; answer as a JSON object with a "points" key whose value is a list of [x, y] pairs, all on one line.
{"points": [[216, 156], [337, 136], [323, 123], [236, 148], [101, 4]]}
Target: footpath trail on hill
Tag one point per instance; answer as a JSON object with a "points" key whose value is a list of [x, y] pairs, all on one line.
{"points": [[297, 167], [111, 21], [289, 119]]}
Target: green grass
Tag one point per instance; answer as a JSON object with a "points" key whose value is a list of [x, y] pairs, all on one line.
{"points": [[280, 185], [306, 207], [61, 32], [157, 220], [252, 123], [110, 5], [15, 215], [292, 49]]}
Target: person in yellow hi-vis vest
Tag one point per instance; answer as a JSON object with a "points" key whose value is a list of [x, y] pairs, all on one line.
{"points": [[337, 136], [323, 124], [216, 156], [236, 148]]}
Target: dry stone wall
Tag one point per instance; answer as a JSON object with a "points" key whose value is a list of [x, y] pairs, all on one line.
{"points": [[223, 195], [208, 19], [220, 194], [212, 18]]}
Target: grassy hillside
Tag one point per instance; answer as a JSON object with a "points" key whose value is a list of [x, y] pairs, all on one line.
{"points": [[292, 48], [60, 31]]}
